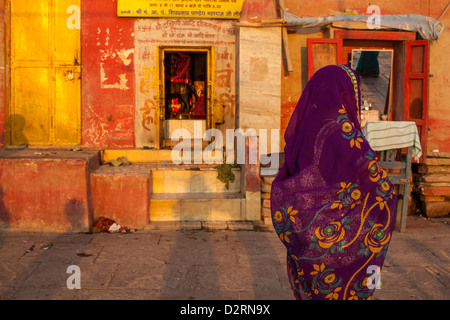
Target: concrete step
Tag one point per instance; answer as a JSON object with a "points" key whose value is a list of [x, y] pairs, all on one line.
{"points": [[170, 178], [46, 190], [138, 194], [151, 156], [192, 180], [68, 190], [197, 207], [205, 225]]}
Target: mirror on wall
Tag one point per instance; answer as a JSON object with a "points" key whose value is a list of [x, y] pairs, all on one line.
{"points": [[375, 72]]}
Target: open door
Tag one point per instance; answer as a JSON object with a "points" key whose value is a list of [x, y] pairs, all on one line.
{"points": [[186, 92], [323, 52], [415, 103]]}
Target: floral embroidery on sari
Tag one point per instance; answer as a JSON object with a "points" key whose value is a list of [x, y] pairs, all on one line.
{"points": [[348, 131], [349, 196]]}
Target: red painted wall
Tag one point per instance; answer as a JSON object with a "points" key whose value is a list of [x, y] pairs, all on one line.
{"points": [[56, 196], [108, 103], [259, 10], [132, 207], [323, 8]]}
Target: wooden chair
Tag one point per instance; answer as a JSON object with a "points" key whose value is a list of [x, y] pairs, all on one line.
{"points": [[398, 167]]}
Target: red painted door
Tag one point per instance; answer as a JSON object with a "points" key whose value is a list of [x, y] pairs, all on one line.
{"points": [[415, 103], [323, 52]]}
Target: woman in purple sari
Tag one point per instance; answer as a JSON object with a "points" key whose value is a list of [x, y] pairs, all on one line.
{"points": [[333, 206]]}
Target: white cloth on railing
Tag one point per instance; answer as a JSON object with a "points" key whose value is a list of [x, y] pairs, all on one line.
{"points": [[387, 135]]}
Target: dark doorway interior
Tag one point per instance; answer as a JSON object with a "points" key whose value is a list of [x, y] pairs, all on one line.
{"points": [[185, 85]]}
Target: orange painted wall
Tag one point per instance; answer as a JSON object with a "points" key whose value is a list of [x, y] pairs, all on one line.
{"points": [[2, 73], [439, 106], [439, 84]]}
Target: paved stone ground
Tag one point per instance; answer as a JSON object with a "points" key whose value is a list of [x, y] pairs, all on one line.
{"points": [[202, 265]]}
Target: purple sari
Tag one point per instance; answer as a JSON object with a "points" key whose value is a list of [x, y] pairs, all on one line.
{"points": [[333, 206]]}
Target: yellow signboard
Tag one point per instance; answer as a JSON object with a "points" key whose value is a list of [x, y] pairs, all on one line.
{"points": [[211, 9]]}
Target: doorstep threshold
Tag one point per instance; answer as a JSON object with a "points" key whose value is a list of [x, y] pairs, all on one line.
{"points": [[197, 196]]}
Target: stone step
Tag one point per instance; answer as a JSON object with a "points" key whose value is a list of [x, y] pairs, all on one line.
{"points": [[171, 178], [192, 181], [197, 207], [196, 196], [135, 194], [206, 225], [46, 190], [150, 156]]}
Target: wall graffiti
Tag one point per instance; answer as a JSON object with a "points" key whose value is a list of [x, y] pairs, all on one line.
{"points": [[148, 80], [228, 101], [223, 79], [150, 35], [147, 114], [123, 134]]}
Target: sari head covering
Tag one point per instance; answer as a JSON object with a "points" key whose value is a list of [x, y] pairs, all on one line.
{"points": [[333, 206]]}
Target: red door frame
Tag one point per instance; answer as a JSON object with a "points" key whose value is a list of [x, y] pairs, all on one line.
{"points": [[312, 41], [409, 39], [375, 35], [423, 122]]}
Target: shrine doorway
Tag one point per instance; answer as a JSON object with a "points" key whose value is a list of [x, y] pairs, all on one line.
{"points": [[186, 91]]}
